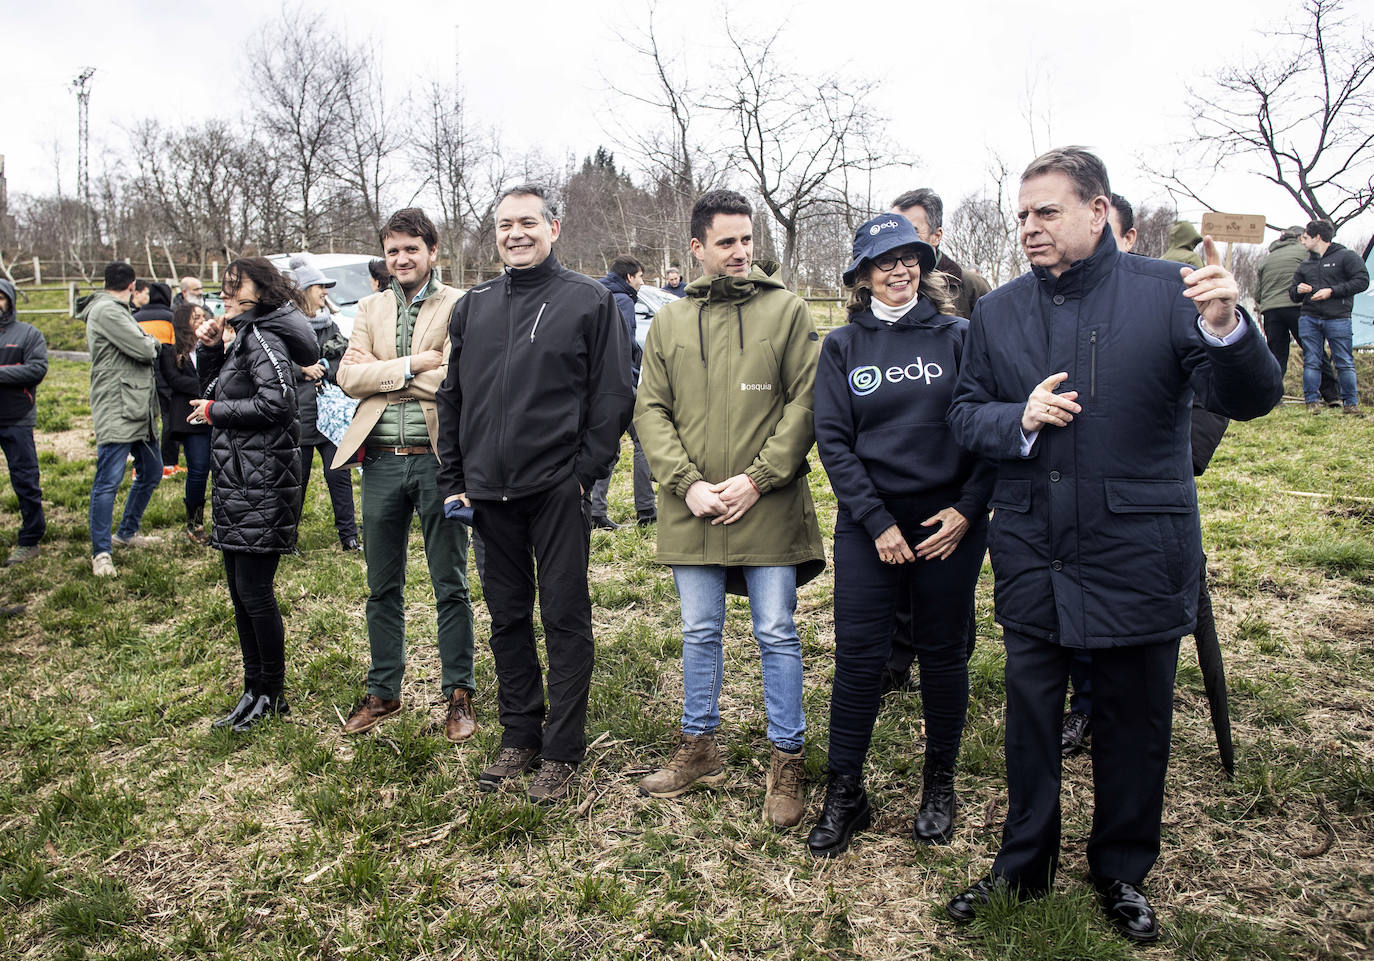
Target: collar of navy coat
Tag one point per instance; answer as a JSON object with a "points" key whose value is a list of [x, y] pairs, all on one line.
{"points": [[1082, 275]]}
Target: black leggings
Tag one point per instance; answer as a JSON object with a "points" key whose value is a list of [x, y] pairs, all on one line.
{"points": [[866, 596], [262, 636]]}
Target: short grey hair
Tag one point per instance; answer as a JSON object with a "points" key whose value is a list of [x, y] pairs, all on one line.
{"points": [[1085, 171], [1292, 233], [929, 201], [547, 207]]}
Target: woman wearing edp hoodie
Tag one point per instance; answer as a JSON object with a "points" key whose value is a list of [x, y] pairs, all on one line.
{"points": [[249, 401], [912, 506]]}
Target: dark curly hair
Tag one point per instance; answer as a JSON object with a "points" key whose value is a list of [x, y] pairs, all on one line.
{"points": [[274, 287]]}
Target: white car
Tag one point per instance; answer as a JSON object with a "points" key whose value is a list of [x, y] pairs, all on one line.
{"points": [[352, 282]]}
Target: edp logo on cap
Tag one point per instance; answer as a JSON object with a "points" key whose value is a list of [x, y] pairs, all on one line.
{"points": [[879, 228]]}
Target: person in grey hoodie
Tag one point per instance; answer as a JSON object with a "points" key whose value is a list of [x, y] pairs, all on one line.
{"points": [[23, 365]]}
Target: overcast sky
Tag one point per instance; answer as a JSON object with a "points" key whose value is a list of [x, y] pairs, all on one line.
{"points": [[955, 78]]}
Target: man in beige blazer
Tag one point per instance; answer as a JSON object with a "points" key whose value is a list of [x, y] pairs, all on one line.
{"points": [[397, 357]]}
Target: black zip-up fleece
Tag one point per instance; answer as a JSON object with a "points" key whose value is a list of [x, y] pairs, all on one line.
{"points": [[881, 396], [23, 365], [1340, 269], [538, 386]]}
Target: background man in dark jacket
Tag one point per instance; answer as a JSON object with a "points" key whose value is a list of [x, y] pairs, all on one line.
{"points": [[1078, 380], [623, 280], [675, 283], [537, 395], [1280, 312], [1327, 283], [926, 211], [154, 315], [23, 365]]}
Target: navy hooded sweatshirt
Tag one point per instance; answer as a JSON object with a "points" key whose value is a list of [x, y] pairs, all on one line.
{"points": [[882, 391]]}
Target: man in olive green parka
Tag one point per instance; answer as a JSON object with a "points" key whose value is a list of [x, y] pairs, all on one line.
{"points": [[724, 414], [124, 413]]}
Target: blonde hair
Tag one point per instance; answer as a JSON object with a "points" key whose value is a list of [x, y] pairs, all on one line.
{"points": [[933, 286]]}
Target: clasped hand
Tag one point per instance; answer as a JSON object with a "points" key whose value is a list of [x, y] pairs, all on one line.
{"points": [[724, 502]]}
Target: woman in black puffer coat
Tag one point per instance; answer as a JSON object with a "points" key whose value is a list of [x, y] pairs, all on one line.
{"points": [[250, 403]]}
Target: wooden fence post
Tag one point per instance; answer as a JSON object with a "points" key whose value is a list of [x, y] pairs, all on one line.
{"points": [[37, 273], [71, 298]]}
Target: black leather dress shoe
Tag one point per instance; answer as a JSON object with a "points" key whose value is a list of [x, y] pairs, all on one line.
{"points": [[935, 820], [846, 811], [896, 681], [602, 522], [350, 544], [971, 900], [1127, 908], [647, 519], [264, 706], [239, 709], [1076, 734]]}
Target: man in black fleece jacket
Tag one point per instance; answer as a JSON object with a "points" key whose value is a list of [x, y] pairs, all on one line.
{"points": [[23, 365], [537, 395], [1326, 284]]}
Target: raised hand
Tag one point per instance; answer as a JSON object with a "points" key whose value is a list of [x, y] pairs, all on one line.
{"points": [[1213, 290]]}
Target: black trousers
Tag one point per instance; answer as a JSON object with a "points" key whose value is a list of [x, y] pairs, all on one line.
{"points": [[544, 536], [21, 457], [262, 636], [938, 601], [1281, 326], [339, 482], [1133, 703]]}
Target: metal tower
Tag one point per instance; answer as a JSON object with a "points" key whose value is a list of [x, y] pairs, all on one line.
{"points": [[83, 134]]}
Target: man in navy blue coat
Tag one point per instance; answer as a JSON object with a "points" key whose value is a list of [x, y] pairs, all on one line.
{"points": [[1078, 382]]}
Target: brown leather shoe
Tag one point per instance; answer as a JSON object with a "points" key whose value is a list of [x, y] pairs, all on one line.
{"points": [[510, 762], [784, 801], [461, 722], [370, 711], [553, 783]]}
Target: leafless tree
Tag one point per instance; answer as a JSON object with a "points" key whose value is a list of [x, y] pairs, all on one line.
{"points": [[300, 79], [1302, 115], [1152, 229], [982, 232], [670, 151], [796, 137], [370, 134]]}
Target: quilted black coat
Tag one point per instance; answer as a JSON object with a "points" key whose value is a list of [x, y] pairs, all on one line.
{"points": [[255, 438]]}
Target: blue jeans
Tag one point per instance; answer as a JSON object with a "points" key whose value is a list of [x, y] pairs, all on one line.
{"points": [[197, 448], [772, 602], [109, 473], [1335, 331]]}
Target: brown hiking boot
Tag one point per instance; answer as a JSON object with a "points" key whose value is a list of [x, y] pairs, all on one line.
{"points": [[461, 722], [553, 783], [695, 760], [784, 803], [510, 762], [370, 711], [1313, 407]]}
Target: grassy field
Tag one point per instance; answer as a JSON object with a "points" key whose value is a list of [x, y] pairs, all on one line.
{"points": [[128, 829]]}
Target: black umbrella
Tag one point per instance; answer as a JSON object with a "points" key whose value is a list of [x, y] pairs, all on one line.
{"points": [[1213, 673]]}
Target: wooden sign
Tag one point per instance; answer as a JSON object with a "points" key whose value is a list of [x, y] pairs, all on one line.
{"points": [[1234, 228]]}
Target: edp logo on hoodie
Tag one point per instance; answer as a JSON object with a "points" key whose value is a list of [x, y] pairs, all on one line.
{"points": [[865, 380]]}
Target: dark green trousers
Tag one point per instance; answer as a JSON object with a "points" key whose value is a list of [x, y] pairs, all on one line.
{"points": [[395, 488]]}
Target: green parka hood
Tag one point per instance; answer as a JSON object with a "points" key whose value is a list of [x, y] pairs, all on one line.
{"points": [[1184, 234]]}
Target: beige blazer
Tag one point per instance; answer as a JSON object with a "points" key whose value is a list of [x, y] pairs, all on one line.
{"points": [[383, 381]]}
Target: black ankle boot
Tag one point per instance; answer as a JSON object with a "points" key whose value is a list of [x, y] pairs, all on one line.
{"points": [[239, 709], [263, 707], [846, 810], [935, 819]]}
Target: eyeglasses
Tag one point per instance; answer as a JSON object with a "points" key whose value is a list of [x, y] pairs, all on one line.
{"points": [[889, 261]]}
